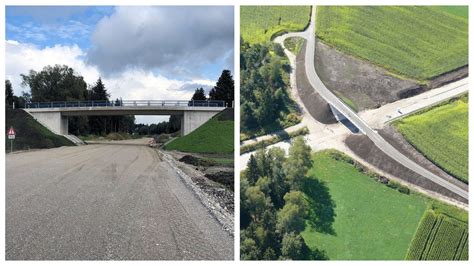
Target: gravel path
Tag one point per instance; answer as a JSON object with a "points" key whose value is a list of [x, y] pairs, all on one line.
{"points": [[101, 202]]}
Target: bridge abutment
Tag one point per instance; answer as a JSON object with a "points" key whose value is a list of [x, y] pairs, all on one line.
{"points": [[54, 121], [194, 119]]}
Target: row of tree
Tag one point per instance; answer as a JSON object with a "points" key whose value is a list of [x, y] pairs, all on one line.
{"points": [[61, 83], [263, 95], [273, 209], [223, 91]]}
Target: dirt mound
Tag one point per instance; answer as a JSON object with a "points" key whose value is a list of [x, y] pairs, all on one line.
{"points": [[361, 82], [365, 148], [222, 177], [226, 115], [196, 161], [314, 103]]}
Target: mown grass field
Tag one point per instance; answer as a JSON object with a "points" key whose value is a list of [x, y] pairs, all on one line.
{"points": [[354, 217], [259, 23], [412, 41], [358, 218], [214, 136], [440, 237], [441, 134]]}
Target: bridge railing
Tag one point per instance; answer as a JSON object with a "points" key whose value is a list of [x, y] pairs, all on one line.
{"points": [[124, 103]]}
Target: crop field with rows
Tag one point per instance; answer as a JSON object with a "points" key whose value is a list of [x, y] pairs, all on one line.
{"points": [[441, 134], [415, 42], [439, 237], [259, 23]]}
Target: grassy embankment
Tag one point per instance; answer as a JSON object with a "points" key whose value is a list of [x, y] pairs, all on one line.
{"points": [[260, 24], [415, 42], [30, 134], [354, 216], [214, 136], [441, 135]]}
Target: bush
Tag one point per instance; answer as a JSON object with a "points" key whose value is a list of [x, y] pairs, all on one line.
{"points": [[404, 190]]}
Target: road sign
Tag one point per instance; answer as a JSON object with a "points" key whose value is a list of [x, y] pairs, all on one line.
{"points": [[11, 131], [11, 137]]}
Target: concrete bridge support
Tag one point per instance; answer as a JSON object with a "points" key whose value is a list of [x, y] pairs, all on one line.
{"points": [[194, 119], [54, 121]]}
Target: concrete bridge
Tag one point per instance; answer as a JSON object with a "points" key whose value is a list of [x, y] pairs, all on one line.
{"points": [[54, 115]]}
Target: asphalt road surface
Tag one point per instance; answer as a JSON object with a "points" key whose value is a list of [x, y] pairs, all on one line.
{"points": [[105, 202], [316, 82]]}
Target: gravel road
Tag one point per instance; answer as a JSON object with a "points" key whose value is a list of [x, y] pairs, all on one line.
{"points": [[105, 202]]}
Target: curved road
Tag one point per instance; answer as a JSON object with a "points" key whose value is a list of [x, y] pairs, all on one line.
{"points": [[382, 144], [105, 202]]}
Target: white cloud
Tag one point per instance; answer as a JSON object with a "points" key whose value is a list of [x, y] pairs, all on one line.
{"points": [[133, 84], [177, 40]]}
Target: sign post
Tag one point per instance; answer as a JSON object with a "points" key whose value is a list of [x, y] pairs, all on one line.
{"points": [[11, 137]]}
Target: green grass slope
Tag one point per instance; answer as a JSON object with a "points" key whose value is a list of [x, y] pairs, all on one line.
{"points": [[214, 136], [30, 134], [358, 217], [441, 134], [260, 23], [419, 42]]}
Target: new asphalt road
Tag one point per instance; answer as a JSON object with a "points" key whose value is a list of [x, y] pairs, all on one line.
{"points": [[102, 202], [332, 99]]}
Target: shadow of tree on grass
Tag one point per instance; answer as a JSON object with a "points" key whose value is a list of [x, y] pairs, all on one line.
{"points": [[321, 214]]}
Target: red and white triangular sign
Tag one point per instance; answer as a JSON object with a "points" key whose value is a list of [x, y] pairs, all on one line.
{"points": [[11, 131]]}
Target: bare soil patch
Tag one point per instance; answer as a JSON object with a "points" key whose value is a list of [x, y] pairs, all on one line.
{"points": [[365, 148], [366, 85], [314, 103], [215, 181]]}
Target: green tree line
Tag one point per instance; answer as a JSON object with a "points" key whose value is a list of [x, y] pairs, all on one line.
{"points": [[265, 102], [273, 208]]}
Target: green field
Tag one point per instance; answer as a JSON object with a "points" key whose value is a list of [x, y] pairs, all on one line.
{"points": [[440, 237], [214, 136], [260, 23], [355, 217], [416, 42], [441, 134], [369, 220], [30, 134]]}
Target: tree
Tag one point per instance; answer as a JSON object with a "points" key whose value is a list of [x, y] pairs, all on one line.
{"points": [[252, 172], [248, 248], [224, 89], [278, 187], [98, 92], [291, 218], [199, 95], [55, 83], [248, 116], [292, 247], [9, 97], [298, 163], [256, 203]]}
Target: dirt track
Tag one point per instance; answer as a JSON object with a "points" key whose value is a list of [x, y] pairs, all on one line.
{"points": [[105, 202]]}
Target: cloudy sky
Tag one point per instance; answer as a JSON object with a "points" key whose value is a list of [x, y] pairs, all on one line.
{"points": [[140, 52]]}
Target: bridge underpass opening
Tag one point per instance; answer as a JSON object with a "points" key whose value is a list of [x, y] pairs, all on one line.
{"points": [[193, 114]]}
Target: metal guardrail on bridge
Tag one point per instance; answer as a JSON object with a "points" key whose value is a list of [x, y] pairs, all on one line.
{"points": [[124, 103]]}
